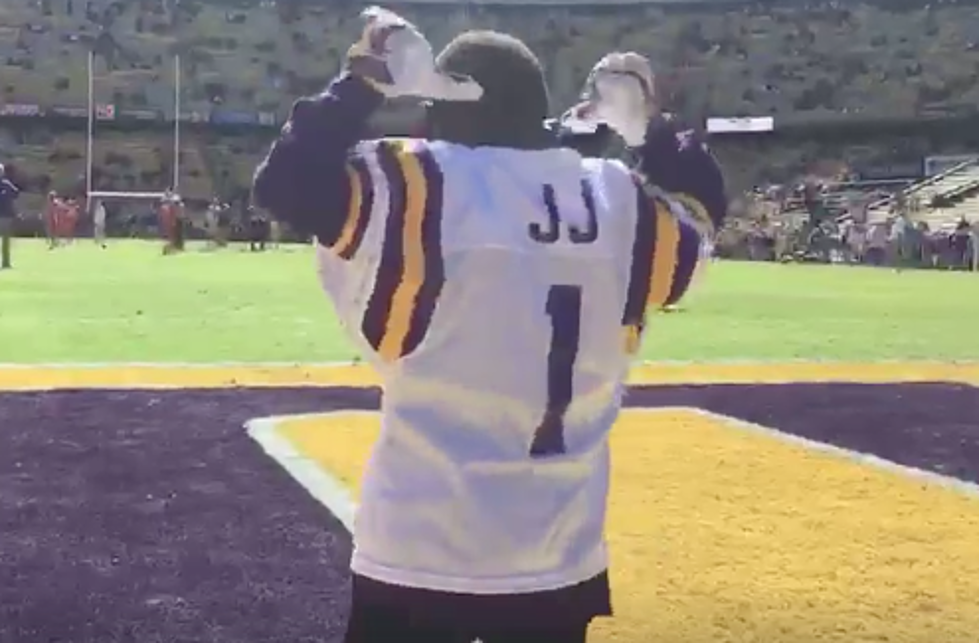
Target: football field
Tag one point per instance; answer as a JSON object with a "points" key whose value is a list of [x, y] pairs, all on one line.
{"points": [[183, 438]]}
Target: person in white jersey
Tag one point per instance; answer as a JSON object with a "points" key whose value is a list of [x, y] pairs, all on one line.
{"points": [[98, 223], [498, 282]]}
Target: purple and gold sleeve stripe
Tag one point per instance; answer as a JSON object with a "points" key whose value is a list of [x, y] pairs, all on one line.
{"points": [[640, 273], [665, 252], [411, 272], [361, 204], [696, 209], [675, 256]]}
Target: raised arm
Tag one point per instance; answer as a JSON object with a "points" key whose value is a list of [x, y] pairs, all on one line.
{"points": [[620, 93], [681, 203], [666, 250], [313, 178], [309, 179]]}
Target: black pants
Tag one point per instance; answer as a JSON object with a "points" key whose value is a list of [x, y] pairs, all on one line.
{"points": [[6, 232], [382, 613]]}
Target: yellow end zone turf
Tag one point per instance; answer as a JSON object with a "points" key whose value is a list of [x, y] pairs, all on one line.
{"points": [[724, 535], [16, 377]]}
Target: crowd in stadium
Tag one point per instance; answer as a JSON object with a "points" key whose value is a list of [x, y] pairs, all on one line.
{"points": [[855, 93]]}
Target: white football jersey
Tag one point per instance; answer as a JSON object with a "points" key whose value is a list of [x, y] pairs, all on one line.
{"points": [[500, 294]]}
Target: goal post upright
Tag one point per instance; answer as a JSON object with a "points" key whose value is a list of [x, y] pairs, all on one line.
{"points": [[89, 142], [176, 124], [90, 137]]}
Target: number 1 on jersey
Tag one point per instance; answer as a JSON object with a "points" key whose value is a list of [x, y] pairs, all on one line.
{"points": [[564, 309]]}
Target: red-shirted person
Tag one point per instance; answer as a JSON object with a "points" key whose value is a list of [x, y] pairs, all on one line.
{"points": [[170, 224], [71, 212]]}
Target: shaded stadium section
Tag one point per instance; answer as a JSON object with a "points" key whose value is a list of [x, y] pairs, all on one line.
{"points": [[151, 516]]}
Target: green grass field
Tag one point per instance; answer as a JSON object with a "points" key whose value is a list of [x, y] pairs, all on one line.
{"points": [[128, 303]]}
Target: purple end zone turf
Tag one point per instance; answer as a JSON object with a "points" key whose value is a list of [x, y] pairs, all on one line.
{"points": [[151, 516]]}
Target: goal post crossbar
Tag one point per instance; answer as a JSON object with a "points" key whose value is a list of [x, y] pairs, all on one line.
{"points": [[96, 194]]}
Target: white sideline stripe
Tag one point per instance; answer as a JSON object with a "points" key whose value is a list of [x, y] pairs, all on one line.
{"points": [[330, 491], [323, 486], [866, 459]]}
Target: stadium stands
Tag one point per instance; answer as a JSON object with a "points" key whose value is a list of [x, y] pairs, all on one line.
{"points": [[795, 62], [244, 61], [937, 199]]}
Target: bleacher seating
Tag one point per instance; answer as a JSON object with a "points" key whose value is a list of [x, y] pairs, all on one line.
{"points": [[794, 61], [968, 208], [797, 61], [936, 193]]}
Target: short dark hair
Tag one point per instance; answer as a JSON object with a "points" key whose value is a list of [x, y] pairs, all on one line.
{"points": [[515, 101]]}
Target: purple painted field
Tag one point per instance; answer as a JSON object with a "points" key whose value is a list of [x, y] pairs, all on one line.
{"points": [[151, 516]]}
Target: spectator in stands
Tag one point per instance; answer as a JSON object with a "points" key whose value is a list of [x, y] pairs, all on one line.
{"points": [[258, 230], [974, 247], [855, 241], [876, 253], [8, 213], [960, 244], [929, 251], [211, 222], [906, 243], [275, 232]]}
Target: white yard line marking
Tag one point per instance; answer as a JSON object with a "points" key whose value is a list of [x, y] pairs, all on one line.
{"points": [[322, 485], [865, 459]]}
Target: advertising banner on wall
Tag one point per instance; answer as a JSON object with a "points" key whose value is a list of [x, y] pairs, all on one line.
{"points": [[231, 117], [105, 112], [194, 116], [20, 109], [68, 111], [141, 114], [740, 125]]}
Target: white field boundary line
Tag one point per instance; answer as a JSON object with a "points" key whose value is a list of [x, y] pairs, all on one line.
{"points": [[859, 457], [323, 486], [329, 490], [355, 362]]}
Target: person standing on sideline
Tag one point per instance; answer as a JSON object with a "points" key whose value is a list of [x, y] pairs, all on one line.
{"points": [[98, 222], [51, 221], [71, 209], [211, 221], [8, 195], [483, 507]]}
